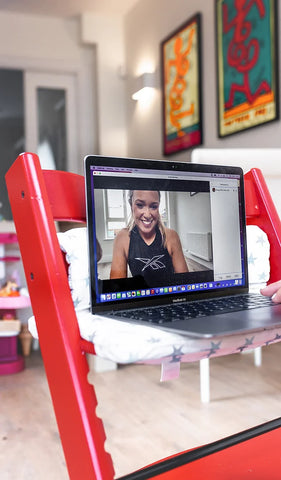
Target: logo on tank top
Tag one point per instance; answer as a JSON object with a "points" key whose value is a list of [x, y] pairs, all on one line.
{"points": [[153, 263]]}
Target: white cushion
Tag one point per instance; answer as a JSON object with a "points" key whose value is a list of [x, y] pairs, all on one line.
{"points": [[74, 244], [258, 257], [130, 343]]}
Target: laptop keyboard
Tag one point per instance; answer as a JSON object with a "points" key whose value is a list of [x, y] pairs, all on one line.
{"points": [[202, 308]]}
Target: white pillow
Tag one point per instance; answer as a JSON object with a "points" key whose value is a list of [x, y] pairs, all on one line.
{"points": [[258, 257], [74, 243]]}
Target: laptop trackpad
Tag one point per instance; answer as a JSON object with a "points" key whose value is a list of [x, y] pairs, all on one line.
{"points": [[230, 323]]}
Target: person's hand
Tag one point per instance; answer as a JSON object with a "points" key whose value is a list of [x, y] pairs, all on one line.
{"points": [[273, 290]]}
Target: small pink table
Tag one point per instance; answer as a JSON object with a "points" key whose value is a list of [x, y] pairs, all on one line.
{"points": [[10, 360]]}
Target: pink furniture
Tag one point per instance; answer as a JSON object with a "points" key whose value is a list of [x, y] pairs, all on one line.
{"points": [[10, 360]]}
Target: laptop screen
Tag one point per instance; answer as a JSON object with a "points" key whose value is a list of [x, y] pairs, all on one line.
{"points": [[161, 230]]}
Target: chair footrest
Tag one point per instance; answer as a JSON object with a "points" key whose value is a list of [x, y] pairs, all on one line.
{"points": [[87, 346]]}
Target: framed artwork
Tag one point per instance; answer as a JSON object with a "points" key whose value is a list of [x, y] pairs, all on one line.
{"points": [[181, 87], [247, 64]]}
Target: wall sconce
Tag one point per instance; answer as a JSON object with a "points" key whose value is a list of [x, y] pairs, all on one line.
{"points": [[143, 85]]}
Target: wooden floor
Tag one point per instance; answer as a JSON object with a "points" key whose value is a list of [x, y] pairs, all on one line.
{"points": [[144, 419]]}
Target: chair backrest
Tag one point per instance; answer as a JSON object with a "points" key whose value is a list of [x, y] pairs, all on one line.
{"points": [[38, 198], [261, 211]]}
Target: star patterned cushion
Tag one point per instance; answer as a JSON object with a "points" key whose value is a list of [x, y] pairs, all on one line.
{"points": [[140, 343]]}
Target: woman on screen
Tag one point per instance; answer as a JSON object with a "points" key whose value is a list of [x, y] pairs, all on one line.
{"points": [[146, 245]]}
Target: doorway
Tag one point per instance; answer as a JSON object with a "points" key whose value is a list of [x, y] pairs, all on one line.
{"points": [[38, 113]]}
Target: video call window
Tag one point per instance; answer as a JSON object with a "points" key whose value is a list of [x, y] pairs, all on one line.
{"points": [[202, 210], [188, 213]]}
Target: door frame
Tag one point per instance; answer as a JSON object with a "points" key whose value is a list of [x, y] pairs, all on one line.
{"points": [[86, 105], [67, 81]]}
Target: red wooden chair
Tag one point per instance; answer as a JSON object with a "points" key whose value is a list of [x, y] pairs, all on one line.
{"points": [[38, 198]]}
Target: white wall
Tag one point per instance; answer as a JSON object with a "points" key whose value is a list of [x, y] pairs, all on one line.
{"points": [[36, 43], [145, 26], [116, 118], [106, 33], [200, 223], [35, 37]]}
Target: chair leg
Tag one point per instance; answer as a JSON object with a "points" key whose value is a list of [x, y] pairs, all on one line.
{"points": [[205, 380], [258, 356]]}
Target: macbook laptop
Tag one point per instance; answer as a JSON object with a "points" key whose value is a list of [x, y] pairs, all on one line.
{"points": [[167, 247]]}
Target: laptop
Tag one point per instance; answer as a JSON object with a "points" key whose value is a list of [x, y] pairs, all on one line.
{"points": [[167, 247]]}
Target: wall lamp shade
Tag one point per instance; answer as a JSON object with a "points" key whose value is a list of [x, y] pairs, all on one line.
{"points": [[142, 85]]}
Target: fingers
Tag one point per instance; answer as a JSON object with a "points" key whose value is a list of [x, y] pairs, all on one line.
{"points": [[276, 298], [273, 290]]}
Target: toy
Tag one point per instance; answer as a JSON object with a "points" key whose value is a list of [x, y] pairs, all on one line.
{"points": [[10, 289]]}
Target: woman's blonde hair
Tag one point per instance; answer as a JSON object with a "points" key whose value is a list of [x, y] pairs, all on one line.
{"points": [[131, 223]]}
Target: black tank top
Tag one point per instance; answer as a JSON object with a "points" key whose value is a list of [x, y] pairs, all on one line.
{"points": [[153, 262]]}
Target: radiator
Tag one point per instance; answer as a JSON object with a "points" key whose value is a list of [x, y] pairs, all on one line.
{"points": [[200, 245]]}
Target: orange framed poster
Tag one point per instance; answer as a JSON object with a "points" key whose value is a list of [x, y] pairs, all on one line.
{"points": [[181, 87], [247, 64]]}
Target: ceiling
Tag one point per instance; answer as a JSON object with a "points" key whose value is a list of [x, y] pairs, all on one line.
{"points": [[67, 8]]}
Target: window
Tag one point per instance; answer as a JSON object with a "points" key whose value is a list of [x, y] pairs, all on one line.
{"points": [[163, 209], [52, 141], [116, 214]]}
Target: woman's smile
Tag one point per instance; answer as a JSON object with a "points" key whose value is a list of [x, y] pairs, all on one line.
{"points": [[147, 222]]}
